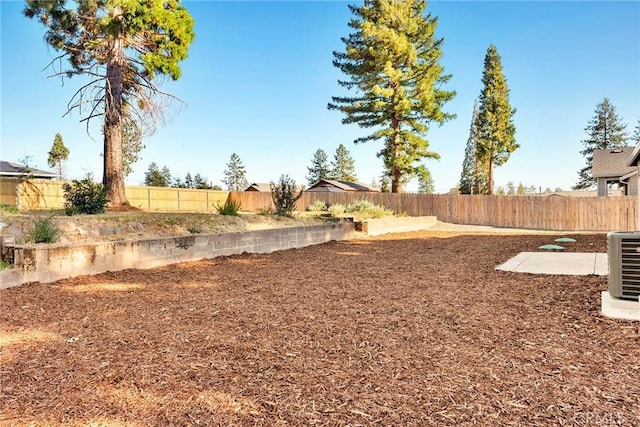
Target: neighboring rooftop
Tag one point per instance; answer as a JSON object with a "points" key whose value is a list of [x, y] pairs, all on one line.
{"points": [[259, 186], [612, 162], [340, 186], [15, 170]]}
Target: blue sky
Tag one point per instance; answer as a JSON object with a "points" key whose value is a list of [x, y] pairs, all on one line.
{"points": [[259, 76]]}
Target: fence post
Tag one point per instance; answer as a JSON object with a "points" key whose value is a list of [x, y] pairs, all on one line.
{"points": [[18, 194]]}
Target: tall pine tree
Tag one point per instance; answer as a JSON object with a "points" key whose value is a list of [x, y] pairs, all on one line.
{"points": [[235, 175], [58, 154], [496, 132], [425, 181], [391, 60], [122, 46], [154, 177], [343, 166], [605, 131], [473, 179], [319, 168]]}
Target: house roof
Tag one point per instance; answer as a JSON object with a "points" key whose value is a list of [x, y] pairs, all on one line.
{"points": [[635, 156], [334, 185], [9, 169], [259, 186], [612, 162]]}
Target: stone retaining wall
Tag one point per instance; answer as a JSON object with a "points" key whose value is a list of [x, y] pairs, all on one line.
{"points": [[48, 263]]}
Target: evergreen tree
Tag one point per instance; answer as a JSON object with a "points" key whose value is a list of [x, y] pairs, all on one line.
{"points": [[473, 179], [200, 182], [188, 181], [58, 154], [636, 134], [235, 174], [605, 131], [154, 177], [495, 140], [425, 181], [319, 168], [342, 166], [131, 145], [511, 189], [520, 191], [385, 183], [391, 59], [178, 183], [123, 46]]}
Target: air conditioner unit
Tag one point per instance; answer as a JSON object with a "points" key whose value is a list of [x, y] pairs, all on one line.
{"points": [[624, 264]]}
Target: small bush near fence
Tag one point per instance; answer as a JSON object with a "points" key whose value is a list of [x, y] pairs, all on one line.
{"points": [[230, 207], [366, 209], [317, 206], [285, 195], [84, 196]]}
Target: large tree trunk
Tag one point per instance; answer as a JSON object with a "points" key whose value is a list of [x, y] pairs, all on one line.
{"points": [[113, 175], [490, 178], [396, 173]]}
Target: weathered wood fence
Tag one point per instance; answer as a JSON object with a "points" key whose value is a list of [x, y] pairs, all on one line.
{"points": [[45, 194], [532, 212]]}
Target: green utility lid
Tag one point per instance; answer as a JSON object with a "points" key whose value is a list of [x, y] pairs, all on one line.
{"points": [[551, 247], [565, 240]]}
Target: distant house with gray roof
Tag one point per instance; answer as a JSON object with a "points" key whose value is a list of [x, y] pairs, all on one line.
{"points": [[611, 166], [333, 186], [15, 170], [260, 187]]}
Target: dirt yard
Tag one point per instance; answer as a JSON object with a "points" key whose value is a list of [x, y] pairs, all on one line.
{"points": [[413, 329]]}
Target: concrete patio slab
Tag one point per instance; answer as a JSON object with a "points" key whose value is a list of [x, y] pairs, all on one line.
{"points": [[571, 263], [617, 308]]}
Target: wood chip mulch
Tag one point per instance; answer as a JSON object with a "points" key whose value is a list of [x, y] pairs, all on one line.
{"points": [[415, 329]]}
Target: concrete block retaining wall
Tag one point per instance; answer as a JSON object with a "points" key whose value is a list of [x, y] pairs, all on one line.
{"points": [[376, 227], [48, 263]]}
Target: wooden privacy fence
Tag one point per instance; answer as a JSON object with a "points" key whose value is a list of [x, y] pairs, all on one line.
{"points": [[45, 194], [532, 212]]}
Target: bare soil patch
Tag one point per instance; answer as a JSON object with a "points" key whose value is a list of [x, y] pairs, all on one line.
{"points": [[411, 329]]}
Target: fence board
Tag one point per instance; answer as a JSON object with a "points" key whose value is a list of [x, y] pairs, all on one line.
{"points": [[8, 192], [46, 194], [531, 212]]}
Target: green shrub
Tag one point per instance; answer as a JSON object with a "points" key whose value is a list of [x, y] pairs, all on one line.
{"points": [[360, 209], [71, 211], [85, 196], [337, 209], [317, 206], [360, 206], [9, 208], [285, 195], [45, 230], [268, 210], [194, 229], [366, 209], [230, 207], [5, 265]]}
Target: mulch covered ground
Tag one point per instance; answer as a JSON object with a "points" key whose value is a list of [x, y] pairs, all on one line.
{"points": [[408, 330]]}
